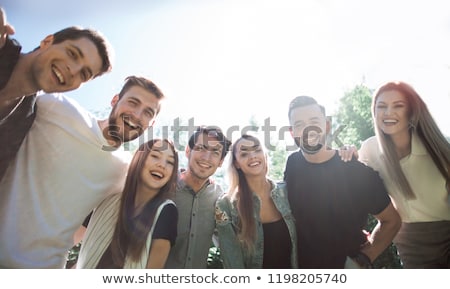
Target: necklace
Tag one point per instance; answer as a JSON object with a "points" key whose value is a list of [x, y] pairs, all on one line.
{"points": [[3, 120]]}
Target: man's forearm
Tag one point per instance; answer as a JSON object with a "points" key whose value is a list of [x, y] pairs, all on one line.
{"points": [[380, 238]]}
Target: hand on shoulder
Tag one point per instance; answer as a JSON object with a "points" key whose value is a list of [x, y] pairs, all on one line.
{"points": [[348, 152]]}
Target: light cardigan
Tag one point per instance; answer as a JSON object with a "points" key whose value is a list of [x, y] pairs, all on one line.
{"points": [[100, 231], [432, 200]]}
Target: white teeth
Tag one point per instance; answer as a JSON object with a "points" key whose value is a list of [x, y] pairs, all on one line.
{"points": [[156, 174], [206, 166], [132, 124], [58, 75], [254, 164], [128, 122], [390, 121]]}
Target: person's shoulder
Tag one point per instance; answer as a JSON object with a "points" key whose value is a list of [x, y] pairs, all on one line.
{"points": [[53, 97], [294, 154], [49, 97], [168, 203], [358, 168], [110, 199], [123, 156], [223, 199], [354, 164], [213, 186], [277, 184], [294, 157], [370, 143], [60, 103], [279, 188]]}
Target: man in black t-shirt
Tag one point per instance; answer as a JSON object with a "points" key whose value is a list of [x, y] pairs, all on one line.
{"points": [[331, 199]]}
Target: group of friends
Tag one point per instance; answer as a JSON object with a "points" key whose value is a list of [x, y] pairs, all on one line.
{"points": [[65, 177]]}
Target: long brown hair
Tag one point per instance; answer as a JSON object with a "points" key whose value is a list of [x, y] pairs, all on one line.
{"points": [[131, 232], [423, 124], [240, 191]]}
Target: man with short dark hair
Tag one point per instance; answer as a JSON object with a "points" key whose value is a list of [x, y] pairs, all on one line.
{"points": [[196, 197], [331, 199], [67, 164], [62, 62]]}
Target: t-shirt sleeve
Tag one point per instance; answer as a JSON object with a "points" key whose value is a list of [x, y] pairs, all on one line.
{"points": [[377, 198], [289, 168], [166, 226]]}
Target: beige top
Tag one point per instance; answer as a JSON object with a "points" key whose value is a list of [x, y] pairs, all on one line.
{"points": [[432, 202]]}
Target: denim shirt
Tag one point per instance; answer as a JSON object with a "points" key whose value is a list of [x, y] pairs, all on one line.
{"points": [[234, 256]]}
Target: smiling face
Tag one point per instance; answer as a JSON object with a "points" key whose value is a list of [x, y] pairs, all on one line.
{"points": [[158, 167], [66, 65], [391, 112], [132, 114], [205, 157], [309, 128], [250, 158]]}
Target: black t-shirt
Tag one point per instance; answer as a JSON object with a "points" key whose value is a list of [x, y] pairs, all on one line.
{"points": [[331, 202], [277, 245], [166, 226]]}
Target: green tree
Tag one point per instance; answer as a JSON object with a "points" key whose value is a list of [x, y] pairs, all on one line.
{"points": [[277, 162], [354, 114]]}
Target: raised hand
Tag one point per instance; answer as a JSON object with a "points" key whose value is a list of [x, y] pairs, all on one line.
{"points": [[5, 28]]}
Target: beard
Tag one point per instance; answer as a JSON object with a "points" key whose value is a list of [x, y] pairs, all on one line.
{"points": [[113, 131], [311, 145], [197, 172], [116, 134]]}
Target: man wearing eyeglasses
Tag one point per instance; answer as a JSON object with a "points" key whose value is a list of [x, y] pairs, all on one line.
{"points": [[195, 198]]}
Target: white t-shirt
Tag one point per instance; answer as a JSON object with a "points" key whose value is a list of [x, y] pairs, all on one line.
{"points": [[61, 172]]}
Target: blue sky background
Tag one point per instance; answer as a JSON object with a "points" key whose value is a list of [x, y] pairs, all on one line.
{"points": [[221, 62]]}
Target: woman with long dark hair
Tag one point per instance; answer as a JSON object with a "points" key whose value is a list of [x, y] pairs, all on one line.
{"points": [[137, 228]]}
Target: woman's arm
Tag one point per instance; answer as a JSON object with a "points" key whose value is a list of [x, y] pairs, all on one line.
{"points": [[230, 249], [163, 237], [159, 251]]}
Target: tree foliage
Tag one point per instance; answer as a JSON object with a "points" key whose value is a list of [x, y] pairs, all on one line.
{"points": [[354, 113], [277, 163]]}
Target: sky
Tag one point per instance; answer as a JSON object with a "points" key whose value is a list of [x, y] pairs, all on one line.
{"points": [[221, 62]]}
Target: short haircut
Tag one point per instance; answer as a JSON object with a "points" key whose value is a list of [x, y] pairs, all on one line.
{"points": [[143, 82], [103, 47], [211, 131], [301, 101]]}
